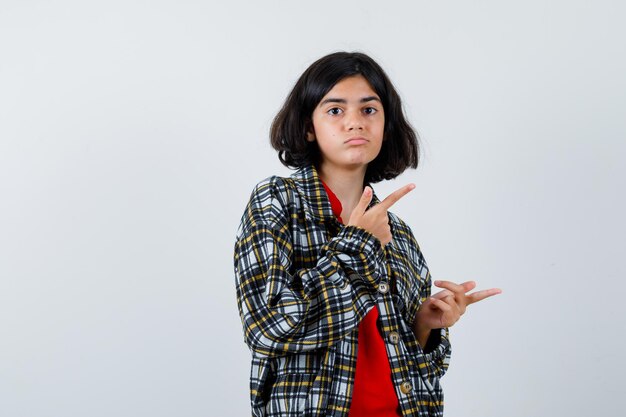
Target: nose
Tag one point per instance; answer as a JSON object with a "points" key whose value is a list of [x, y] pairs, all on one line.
{"points": [[354, 121]]}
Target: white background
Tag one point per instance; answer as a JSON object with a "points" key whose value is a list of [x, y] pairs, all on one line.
{"points": [[131, 135]]}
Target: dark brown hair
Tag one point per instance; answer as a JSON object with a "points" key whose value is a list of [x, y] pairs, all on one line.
{"points": [[288, 133]]}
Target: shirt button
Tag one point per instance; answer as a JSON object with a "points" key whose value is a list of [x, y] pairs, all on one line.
{"points": [[406, 387], [383, 287], [393, 338]]}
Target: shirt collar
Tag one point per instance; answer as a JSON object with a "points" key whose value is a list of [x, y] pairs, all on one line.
{"points": [[313, 194]]}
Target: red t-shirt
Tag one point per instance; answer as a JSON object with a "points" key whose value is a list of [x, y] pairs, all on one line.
{"points": [[374, 394]]}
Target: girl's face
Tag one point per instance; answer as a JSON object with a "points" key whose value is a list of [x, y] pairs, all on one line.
{"points": [[348, 124]]}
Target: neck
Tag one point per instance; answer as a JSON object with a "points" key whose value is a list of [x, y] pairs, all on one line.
{"points": [[347, 184]]}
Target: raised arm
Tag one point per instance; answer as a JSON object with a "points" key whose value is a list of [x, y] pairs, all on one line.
{"points": [[287, 309]]}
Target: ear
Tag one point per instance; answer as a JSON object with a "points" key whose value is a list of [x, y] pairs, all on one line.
{"points": [[310, 136]]}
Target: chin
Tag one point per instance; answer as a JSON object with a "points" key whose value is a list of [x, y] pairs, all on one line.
{"points": [[356, 163], [361, 161]]}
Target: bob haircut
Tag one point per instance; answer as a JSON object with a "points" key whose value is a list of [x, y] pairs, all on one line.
{"points": [[400, 148]]}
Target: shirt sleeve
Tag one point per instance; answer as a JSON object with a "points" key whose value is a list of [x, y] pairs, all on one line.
{"points": [[434, 358], [284, 309]]}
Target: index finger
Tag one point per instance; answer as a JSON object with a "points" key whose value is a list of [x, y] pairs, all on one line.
{"points": [[395, 196], [481, 295], [364, 201]]}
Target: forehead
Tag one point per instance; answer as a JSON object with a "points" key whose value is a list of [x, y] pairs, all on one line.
{"points": [[355, 86]]}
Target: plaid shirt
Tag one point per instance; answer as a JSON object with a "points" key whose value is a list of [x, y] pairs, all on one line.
{"points": [[305, 281]]}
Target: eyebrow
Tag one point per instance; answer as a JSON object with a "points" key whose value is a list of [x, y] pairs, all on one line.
{"points": [[344, 101]]}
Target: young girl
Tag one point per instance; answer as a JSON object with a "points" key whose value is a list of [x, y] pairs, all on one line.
{"points": [[333, 291]]}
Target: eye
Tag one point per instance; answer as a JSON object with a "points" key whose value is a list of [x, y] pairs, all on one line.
{"points": [[369, 110], [335, 111]]}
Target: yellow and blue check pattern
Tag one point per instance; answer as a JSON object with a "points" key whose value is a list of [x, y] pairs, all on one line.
{"points": [[304, 282]]}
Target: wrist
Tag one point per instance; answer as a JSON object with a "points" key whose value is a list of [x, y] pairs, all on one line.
{"points": [[422, 336], [421, 331]]}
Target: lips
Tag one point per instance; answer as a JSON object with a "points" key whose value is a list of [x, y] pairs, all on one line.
{"points": [[357, 140]]}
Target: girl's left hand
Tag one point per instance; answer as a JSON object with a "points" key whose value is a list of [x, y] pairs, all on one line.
{"points": [[446, 307]]}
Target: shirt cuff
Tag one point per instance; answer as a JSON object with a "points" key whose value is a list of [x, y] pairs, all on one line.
{"points": [[359, 251]]}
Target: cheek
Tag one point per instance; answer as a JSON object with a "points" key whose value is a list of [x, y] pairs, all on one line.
{"points": [[380, 132], [327, 134]]}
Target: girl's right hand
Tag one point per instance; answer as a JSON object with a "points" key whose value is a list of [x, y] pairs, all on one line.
{"points": [[375, 220]]}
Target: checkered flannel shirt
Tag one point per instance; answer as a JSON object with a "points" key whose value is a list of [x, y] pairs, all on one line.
{"points": [[304, 282]]}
